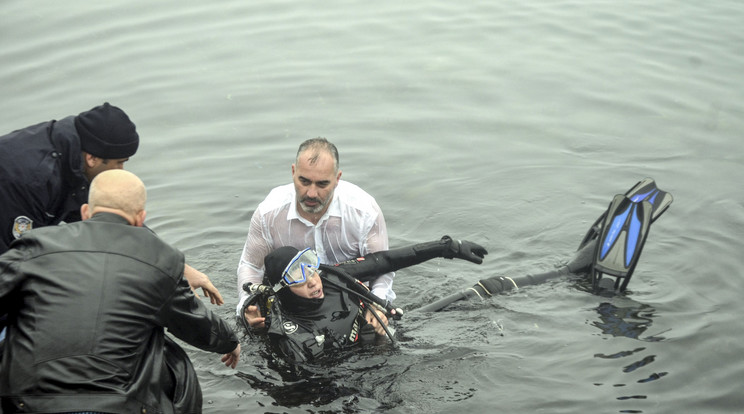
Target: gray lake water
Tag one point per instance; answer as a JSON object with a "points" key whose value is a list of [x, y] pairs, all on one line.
{"points": [[507, 123]]}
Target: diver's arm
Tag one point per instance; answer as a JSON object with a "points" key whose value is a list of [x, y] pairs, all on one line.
{"points": [[374, 264]]}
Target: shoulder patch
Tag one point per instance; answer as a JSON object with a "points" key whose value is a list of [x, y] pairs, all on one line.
{"points": [[22, 224], [289, 327]]}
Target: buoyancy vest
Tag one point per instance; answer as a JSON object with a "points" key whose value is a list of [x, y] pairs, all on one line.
{"points": [[334, 325]]}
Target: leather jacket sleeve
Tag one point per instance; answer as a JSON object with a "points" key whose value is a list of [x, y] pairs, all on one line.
{"points": [[10, 276], [188, 319]]}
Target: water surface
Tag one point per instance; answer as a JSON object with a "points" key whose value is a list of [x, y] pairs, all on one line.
{"points": [[511, 124]]}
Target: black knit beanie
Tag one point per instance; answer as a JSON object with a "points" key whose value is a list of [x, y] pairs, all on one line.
{"points": [[106, 132]]}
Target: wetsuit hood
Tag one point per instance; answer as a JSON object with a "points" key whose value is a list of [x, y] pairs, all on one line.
{"points": [[274, 264]]}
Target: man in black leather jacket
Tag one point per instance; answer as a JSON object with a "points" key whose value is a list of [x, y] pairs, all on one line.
{"points": [[88, 304], [311, 309]]}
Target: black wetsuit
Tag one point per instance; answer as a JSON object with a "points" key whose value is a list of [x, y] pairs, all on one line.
{"points": [[304, 333], [334, 325]]}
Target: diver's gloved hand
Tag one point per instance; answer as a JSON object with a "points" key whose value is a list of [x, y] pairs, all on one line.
{"points": [[463, 249]]}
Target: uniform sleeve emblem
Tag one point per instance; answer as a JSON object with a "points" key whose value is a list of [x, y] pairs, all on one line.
{"points": [[21, 225]]}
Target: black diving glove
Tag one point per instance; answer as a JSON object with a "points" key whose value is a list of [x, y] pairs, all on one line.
{"points": [[463, 249]]}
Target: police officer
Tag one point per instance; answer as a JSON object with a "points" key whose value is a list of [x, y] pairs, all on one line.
{"points": [[45, 169]]}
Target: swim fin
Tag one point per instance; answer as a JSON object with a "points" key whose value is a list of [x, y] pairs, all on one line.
{"points": [[621, 240], [644, 190], [621, 231]]}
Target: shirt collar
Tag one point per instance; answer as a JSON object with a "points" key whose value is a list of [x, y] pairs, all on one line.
{"points": [[334, 209]]}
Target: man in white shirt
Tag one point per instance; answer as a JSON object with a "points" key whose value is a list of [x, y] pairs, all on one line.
{"points": [[337, 219]]}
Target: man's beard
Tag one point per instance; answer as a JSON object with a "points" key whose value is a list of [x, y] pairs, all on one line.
{"points": [[312, 210]]}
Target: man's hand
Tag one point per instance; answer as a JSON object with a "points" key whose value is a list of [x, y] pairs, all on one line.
{"points": [[253, 317], [231, 359], [198, 280], [379, 330]]}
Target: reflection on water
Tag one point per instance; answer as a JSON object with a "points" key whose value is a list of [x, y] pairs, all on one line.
{"points": [[315, 391], [630, 322]]}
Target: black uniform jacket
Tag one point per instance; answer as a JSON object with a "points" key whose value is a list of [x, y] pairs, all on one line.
{"points": [[41, 178], [88, 303]]}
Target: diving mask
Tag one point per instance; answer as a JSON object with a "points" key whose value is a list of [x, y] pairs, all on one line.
{"points": [[301, 268]]}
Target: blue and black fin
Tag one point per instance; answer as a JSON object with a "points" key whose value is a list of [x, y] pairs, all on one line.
{"points": [[621, 240], [644, 190], [621, 231]]}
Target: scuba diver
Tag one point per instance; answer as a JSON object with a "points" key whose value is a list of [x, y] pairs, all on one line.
{"points": [[311, 309]]}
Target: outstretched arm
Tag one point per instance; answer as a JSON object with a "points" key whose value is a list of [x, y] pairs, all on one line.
{"points": [[378, 263], [189, 320]]}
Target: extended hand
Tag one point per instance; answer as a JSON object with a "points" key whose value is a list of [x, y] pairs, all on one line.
{"points": [[231, 359], [472, 252], [198, 280], [466, 250]]}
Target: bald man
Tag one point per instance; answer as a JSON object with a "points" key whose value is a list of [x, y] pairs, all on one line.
{"points": [[88, 304], [118, 192]]}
